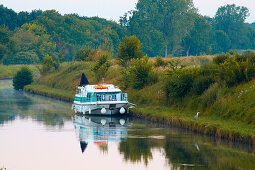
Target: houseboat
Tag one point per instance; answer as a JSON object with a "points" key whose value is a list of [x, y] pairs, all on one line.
{"points": [[101, 99]]}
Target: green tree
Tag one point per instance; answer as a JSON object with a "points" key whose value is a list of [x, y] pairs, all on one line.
{"points": [[197, 41], [129, 49], [230, 19], [220, 41], [168, 21], [22, 78]]}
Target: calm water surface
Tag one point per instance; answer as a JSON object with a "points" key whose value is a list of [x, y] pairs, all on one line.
{"points": [[41, 133]]}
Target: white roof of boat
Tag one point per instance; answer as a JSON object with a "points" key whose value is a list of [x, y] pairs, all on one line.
{"points": [[109, 88]]}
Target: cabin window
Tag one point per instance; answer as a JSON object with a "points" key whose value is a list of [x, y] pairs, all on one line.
{"points": [[98, 97], [118, 96], [89, 97]]}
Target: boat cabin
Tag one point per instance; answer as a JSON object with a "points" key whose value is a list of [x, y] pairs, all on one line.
{"points": [[99, 93]]}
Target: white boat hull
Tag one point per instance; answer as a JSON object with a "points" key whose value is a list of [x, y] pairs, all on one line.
{"points": [[111, 108]]}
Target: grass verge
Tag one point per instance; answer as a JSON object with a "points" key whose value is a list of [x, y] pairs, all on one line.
{"points": [[224, 129], [8, 72], [43, 90]]}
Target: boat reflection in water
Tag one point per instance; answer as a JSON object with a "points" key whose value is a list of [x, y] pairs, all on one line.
{"points": [[100, 130]]}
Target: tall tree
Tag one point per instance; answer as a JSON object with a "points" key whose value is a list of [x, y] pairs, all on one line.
{"points": [[230, 19], [161, 20], [198, 40], [129, 49]]}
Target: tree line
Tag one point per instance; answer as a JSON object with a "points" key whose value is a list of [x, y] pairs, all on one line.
{"points": [[164, 27]]}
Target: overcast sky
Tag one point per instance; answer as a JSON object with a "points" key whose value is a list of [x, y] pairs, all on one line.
{"points": [[113, 9]]}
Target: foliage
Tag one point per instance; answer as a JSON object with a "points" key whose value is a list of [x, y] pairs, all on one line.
{"points": [[160, 25], [101, 66], [178, 83], [176, 63], [201, 84], [34, 37], [159, 62], [220, 41], [138, 74], [230, 19], [22, 78], [197, 42], [85, 54], [50, 64], [129, 49], [13, 20], [220, 58], [29, 57]]}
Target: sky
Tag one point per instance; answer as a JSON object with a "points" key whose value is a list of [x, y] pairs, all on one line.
{"points": [[113, 9]]}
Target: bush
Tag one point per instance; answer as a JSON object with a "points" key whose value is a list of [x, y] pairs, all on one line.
{"points": [[220, 58], [159, 62], [101, 66], [22, 78], [139, 73], [179, 83], [233, 72]]}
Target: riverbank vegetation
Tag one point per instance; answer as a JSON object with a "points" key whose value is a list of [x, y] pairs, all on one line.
{"points": [[173, 90]]}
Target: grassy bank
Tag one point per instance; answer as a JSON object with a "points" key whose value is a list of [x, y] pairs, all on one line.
{"points": [[225, 112], [8, 72], [213, 126], [43, 90]]}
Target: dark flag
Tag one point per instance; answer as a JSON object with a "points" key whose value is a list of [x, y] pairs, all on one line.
{"points": [[84, 80]]}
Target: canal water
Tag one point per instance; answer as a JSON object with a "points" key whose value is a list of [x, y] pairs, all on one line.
{"points": [[41, 133]]}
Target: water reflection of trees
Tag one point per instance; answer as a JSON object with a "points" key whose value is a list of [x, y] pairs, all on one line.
{"points": [[183, 151], [17, 103], [137, 150]]}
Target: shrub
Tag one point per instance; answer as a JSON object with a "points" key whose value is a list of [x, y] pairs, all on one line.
{"points": [[22, 78], [101, 66], [159, 62], [220, 58], [139, 72], [178, 84], [233, 72]]}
